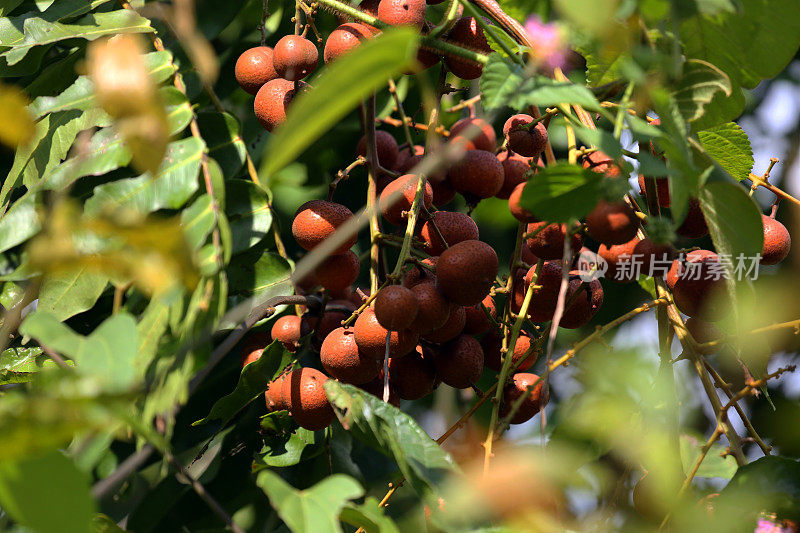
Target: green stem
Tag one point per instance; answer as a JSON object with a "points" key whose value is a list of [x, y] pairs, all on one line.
{"points": [[489, 29]]}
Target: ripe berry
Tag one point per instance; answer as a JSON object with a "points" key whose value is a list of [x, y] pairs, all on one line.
{"points": [[517, 211], [460, 362], [466, 272], [528, 142], [602, 163], [662, 189], [548, 243], [342, 359], [254, 346], [418, 274], [404, 156], [694, 225], [404, 188], [375, 388], [443, 192], [451, 329], [271, 102], [371, 337], [370, 7], [703, 332], [254, 68], [396, 307], [335, 312], [386, 146], [273, 395], [479, 174], [413, 376], [402, 12], [585, 305], [527, 256], [474, 134], [612, 222], [434, 309], [338, 272], [414, 160], [295, 57], [533, 401], [289, 329], [304, 395], [777, 241], [454, 227], [492, 343], [346, 38], [467, 33], [544, 299], [624, 259], [477, 322], [316, 220], [516, 170], [699, 293]]}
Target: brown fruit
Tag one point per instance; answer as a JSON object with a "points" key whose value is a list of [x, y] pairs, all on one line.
{"points": [[451, 329], [386, 146], [370, 7], [534, 400], [467, 32], [777, 241], [478, 174], [492, 343], [417, 274], [346, 38], [342, 359], [698, 285], [426, 58], [527, 256], [703, 332], [624, 259], [544, 299], [434, 309], [273, 395], [254, 68], [612, 222], [271, 102], [375, 388], [585, 305], [396, 307], [338, 272], [694, 225], [460, 362], [412, 161], [602, 163], [402, 12], [477, 322], [289, 329], [443, 192], [516, 170], [413, 376], [333, 316], [295, 57], [662, 189], [466, 272], [474, 133], [406, 186], [548, 243], [454, 227], [522, 140], [316, 220], [304, 395], [254, 345], [371, 337], [405, 155], [517, 211]]}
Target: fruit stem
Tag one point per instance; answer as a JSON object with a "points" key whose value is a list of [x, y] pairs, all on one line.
{"points": [[469, 8], [263, 26], [447, 21], [399, 107], [386, 367], [368, 111]]}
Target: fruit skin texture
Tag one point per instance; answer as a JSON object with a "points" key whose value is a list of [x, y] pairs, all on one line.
{"points": [[418, 274], [479, 174], [303, 393], [492, 344], [386, 146], [338, 272], [371, 337], [316, 220], [704, 297], [525, 142], [451, 329], [402, 12], [342, 359], [612, 222], [777, 241], [443, 192], [481, 132], [407, 185], [332, 318], [477, 323], [295, 57], [273, 395], [466, 272], [544, 299], [694, 225], [662, 189], [515, 171], [346, 38], [434, 309], [602, 163], [585, 305], [396, 307], [467, 33], [289, 329], [254, 346], [271, 102], [703, 332], [460, 362], [549, 242], [413, 376], [532, 403], [651, 257], [517, 211], [254, 68], [455, 228]]}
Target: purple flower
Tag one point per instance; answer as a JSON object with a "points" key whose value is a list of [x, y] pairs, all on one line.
{"points": [[549, 46], [767, 526]]}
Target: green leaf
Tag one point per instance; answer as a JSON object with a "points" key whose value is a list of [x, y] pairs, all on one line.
{"points": [[390, 431], [314, 510], [269, 276], [19, 223], [721, 109], [46, 493], [700, 82], [198, 221], [769, 484], [175, 183], [285, 444], [252, 383], [249, 214], [105, 152], [103, 524], [220, 131], [733, 218], [602, 70], [11, 29], [20, 365], [562, 192], [345, 83], [149, 331], [714, 464], [729, 146], [66, 294], [106, 355], [369, 515]]}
